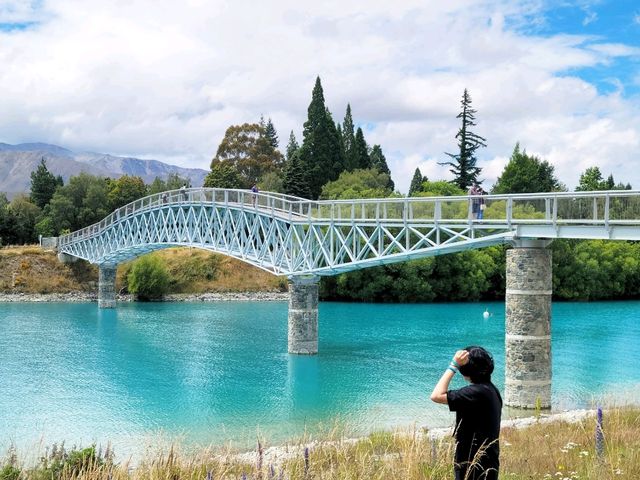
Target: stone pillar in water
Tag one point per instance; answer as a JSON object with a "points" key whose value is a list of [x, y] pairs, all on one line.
{"points": [[303, 314], [107, 286], [528, 325]]}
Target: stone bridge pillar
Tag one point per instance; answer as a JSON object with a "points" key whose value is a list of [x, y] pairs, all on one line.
{"points": [[107, 286], [528, 325], [303, 314]]}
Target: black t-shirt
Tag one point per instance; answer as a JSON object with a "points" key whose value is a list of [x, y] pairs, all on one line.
{"points": [[478, 410]]}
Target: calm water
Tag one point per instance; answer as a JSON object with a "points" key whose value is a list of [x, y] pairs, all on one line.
{"points": [[218, 372]]}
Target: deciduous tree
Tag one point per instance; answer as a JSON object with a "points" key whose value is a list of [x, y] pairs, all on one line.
{"points": [[125, 190], [223, 175], [247, 149], [369, 183]]}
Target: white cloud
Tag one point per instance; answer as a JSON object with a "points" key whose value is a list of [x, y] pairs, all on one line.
{"points": [[590, 17], [157, 80]]}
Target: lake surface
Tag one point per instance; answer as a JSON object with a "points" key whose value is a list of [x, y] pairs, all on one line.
{"points": [[218, 372]]}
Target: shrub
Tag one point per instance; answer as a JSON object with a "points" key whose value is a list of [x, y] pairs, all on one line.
{"points": [[148, 278]]}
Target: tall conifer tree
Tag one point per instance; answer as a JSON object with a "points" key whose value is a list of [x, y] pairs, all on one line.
{"points": [[463, 164], [349, 142], [292, 146], [320, 151], [361, 151], [416, 182], [271, 134], [379, 162], [294, 177]]}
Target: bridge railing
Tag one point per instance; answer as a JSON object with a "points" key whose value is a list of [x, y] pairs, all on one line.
{"points": [[557, 208]]}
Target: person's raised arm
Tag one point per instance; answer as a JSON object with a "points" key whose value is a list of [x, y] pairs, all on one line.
{"points": [[439, 394]]}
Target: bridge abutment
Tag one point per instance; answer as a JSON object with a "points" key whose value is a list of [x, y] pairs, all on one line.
{"points": [[303, 314], [528, 325], [107, 286]]}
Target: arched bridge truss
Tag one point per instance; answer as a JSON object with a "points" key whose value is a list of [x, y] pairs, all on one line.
{"points": [[292, 236]]}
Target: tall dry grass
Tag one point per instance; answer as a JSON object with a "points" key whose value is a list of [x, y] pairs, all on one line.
{"points": [[557, 450]]}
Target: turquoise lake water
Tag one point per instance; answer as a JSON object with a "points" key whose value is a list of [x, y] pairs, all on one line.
{"points": [[215, 372]]}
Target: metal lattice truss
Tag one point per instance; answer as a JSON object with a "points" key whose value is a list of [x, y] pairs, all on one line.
{"points": [[291, 236]]}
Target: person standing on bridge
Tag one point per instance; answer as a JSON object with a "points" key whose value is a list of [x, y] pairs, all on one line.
{"points": [[474, 190], [478, 408], [254, 192]]}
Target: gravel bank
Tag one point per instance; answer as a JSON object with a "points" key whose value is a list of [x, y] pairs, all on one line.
{"points": [[76, 297]]}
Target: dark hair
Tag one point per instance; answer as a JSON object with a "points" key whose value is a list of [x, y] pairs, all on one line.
{"points": [[480, 365]]}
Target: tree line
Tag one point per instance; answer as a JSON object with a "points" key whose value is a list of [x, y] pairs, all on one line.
{"points": [[334, 161], [248, 154], [53, 208]]}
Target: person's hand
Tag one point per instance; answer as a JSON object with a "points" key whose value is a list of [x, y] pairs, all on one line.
{"points": [[461, 357]]}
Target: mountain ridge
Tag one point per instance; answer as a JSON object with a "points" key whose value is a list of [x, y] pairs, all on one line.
{"points": [[18, 161]]}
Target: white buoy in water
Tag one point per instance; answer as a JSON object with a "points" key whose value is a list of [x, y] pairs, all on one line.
{"points": [[486, 314]]}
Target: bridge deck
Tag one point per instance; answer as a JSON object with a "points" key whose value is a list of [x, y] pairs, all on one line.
{"points": [[288, 235]]}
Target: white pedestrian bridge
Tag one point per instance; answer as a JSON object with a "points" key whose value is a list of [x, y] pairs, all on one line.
{"points": [[306, 239], [292, 236]]}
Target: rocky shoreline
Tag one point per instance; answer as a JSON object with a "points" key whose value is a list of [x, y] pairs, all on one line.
{"points": [[83, 297]]}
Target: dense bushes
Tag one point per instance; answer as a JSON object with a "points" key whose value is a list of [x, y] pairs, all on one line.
{"points": [[582, 270], [148, 278]]}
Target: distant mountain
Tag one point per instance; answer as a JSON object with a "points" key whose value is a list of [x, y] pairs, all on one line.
{"points": [[18, 161]]}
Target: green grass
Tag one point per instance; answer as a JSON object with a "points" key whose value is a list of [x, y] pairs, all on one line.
{"points": [[557, 450]]}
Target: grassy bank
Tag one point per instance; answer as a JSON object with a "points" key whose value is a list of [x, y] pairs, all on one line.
{"points": [[557, 450], [31, 270]]}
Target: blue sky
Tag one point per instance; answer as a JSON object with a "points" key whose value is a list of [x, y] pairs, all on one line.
{"points": [[613, 21], [164, 79]]}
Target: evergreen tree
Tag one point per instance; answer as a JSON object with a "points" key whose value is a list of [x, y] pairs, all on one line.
{"points": [[271, 134], [294, 178], [292, 146], [362, 151], [463, 164], [416, 183], [43, 184], [349, 142], [379, 162], [527, 174], [320, 151], [610, 183], [341, 143]]}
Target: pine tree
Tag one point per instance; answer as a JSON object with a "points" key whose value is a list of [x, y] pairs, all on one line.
{"points": [[379, 162], [463, 165], [416, 183], [610, 183], [294, 181], [361, 151], [320, 151], [43, 184], [349, 142], [271, 134], [292, 146]]}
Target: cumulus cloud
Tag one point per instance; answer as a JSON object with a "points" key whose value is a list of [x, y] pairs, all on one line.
{"points": [[156, 79]]}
